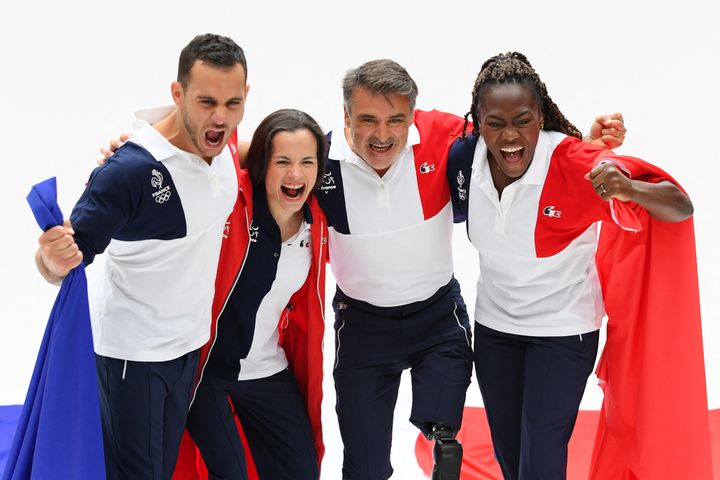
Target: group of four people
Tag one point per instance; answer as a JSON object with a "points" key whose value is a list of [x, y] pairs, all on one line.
{"points": [[242, 350]]}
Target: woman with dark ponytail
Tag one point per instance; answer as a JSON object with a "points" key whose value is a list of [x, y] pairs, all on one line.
{"points": [[533, 195]]}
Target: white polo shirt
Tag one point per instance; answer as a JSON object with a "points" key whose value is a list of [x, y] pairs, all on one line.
{"points": [[517, 292], [266, 357], [391, 255], [160, 212]]}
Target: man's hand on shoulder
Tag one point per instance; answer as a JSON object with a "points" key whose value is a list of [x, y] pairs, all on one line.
{"points": [[607, 131], [243, 148], [108, 150]]}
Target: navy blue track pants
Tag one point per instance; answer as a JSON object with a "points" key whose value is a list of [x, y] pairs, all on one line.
{"points": [[373, 346], [275, 422], [531, 388], [143, 407]]}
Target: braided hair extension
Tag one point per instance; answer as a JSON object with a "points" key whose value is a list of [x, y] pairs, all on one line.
{"points": [[514, 67]]}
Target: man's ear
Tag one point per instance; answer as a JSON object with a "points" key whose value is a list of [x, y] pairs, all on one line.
{"points": [[177, 92]]}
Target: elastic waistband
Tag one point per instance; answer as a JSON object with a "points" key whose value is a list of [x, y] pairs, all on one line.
{"points": [[401, 310]]}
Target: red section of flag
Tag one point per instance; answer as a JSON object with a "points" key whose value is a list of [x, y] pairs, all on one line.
{"points": [[655, 413], [479, 462], [654, 420]]}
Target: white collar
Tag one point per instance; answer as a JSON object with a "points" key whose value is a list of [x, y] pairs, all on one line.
{"points": [[534, 175], [147, 136]]}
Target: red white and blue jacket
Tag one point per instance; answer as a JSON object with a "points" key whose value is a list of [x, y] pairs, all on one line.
{"points": [[301, 326]]}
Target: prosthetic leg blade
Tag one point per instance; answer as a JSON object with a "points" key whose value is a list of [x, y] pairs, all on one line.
{"points": [[447, 456]]}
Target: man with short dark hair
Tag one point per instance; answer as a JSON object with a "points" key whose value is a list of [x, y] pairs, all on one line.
{"points": [[159, 207]]}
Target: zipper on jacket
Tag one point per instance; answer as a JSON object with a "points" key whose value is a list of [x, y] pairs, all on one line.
{"points": [[217, 320]]}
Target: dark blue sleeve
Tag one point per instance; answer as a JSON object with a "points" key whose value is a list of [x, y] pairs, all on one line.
{"points": [[459, 170], [131, 198], [104, 208], [331, 195]]}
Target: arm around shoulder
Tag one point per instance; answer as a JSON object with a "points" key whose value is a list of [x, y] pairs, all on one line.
{"points": [[243, 147]]}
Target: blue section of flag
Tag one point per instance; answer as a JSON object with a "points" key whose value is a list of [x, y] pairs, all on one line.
{"points": [[8, 423], [59, 434]]}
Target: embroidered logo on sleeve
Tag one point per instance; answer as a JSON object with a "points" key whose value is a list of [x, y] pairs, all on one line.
{"points": [[425, 168], [254, 232], [328, 182], [551, 212], [163, 193], [462, 192]]}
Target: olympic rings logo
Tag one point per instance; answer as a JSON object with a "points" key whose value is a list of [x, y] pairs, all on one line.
{"points": [[162, 196]]}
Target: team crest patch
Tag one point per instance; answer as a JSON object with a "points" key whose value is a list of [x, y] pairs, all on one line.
{"points": [[254, 231], [551, 212], [163, 193], [226, 229], [328, 182], [462, 192]]}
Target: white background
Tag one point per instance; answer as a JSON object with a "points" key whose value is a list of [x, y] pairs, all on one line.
{"points": [[72, 72]]}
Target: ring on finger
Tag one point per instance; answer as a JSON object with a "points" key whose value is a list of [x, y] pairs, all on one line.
{"points": [[602, 188]]}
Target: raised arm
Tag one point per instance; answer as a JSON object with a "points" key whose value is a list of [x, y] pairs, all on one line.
{"points": [[663, 200], [607, 131]]}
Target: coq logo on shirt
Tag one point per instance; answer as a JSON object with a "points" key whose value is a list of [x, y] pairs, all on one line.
{"points": [[163, 193]]}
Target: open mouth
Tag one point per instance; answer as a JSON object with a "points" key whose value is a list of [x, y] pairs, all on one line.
{"points": [[293, 191], [380, 147], [214, 138], [512, 154]]}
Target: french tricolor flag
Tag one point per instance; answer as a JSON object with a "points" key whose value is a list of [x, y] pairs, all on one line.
{"points": [[57, 432]]}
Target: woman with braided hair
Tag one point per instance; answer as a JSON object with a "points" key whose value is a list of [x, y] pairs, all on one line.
{"points": [[533, 195]]}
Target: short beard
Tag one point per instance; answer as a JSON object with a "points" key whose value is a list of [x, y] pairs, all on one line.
{"points": [[191, 131]]}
